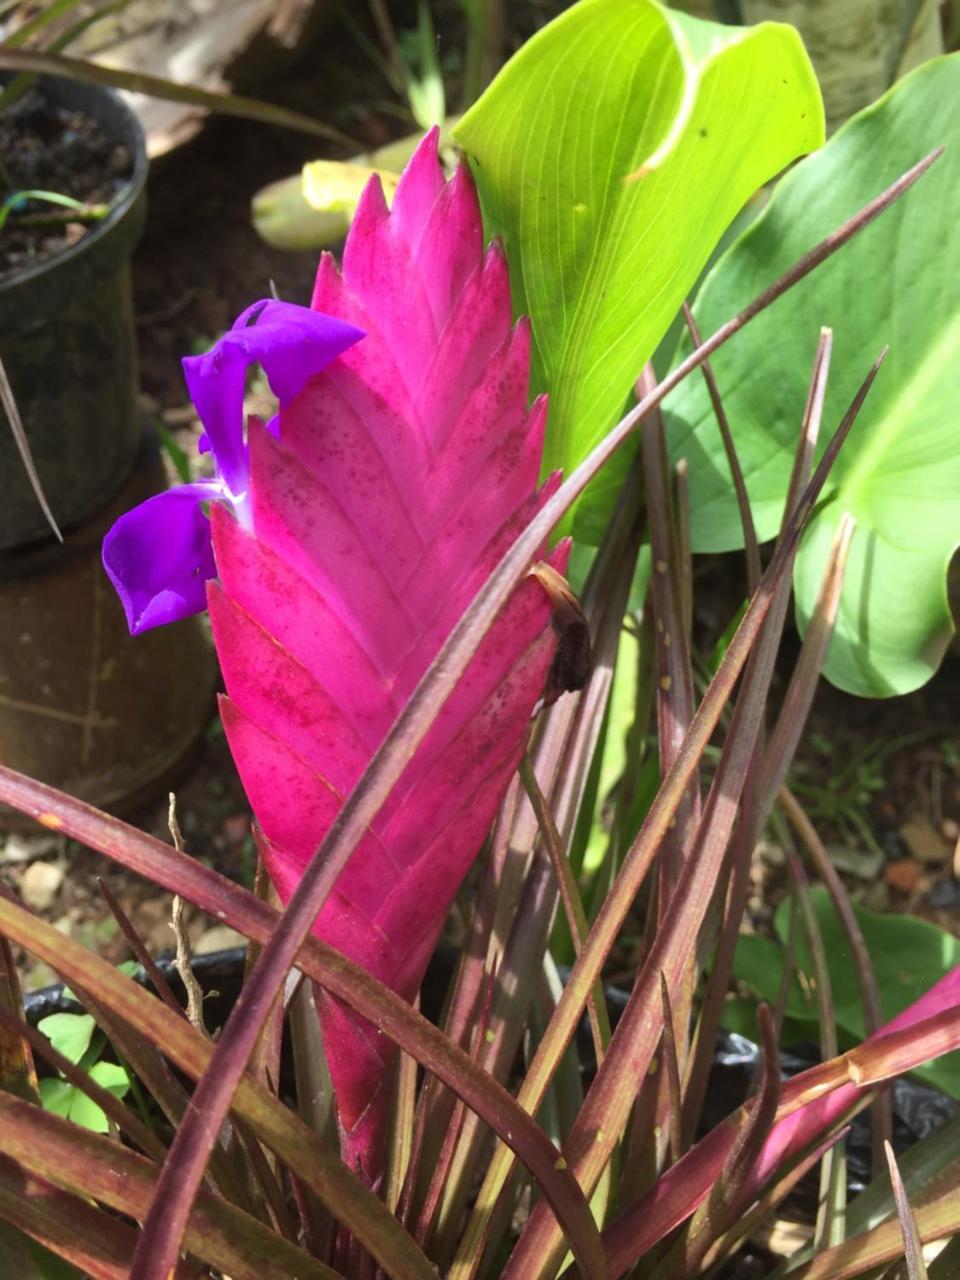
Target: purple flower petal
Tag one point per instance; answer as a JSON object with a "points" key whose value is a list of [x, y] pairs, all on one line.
{"points": [[292, 344], [158, 556]]}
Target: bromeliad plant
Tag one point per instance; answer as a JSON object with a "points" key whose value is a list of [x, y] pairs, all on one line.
{"points": [[408, 682]]}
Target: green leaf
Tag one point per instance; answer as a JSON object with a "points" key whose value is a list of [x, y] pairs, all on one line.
{"points": [[425, 91], [611, 152], [758, 964], [899, 474], [112, 1077], [65, 1099], [129, 967], [178, 459], [908, 956], [70, 1033]]}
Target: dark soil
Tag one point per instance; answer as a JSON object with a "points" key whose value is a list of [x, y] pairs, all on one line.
{"points": [[49, 148]]}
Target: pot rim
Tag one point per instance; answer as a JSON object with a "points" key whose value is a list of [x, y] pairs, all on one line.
{"points": [[133, 191]]}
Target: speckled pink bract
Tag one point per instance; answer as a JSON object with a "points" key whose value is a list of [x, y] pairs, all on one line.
{"points": [[398, 478]]}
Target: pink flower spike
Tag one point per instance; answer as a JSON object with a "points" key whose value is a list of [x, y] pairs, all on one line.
{"points": [[399, 476]]}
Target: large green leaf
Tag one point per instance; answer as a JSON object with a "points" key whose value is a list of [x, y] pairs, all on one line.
{"points": [[908, 956], [899, 474], [611, 152]]}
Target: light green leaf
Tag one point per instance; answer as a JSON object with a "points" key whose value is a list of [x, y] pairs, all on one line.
{"points": [[64, 1099], [425, 91], [611, 152], [70, 1033], [899, 474], [112, 1077], [908, 956]]}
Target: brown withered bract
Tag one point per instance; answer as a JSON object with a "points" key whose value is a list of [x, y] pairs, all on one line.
{"points": [[573, 660]]}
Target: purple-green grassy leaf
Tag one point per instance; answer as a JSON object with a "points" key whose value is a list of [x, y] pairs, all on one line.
{"points": [[792, 716], [17, 1072], [831, 1203], [68, 1225], [607, 1104], [883, 1245], [912, 1247], [856, 946], [84, 1163], [139, 948], [928, 1163], [734, 1189], [750, 544], [239, 908], [740, 855], [360, 1211], [166, 1090], [85, 72], [671, 1067], [767, 1202], [562, 759], [400, 1137], [638, 861], [674, 693], [810, 1105], [570, 898]]}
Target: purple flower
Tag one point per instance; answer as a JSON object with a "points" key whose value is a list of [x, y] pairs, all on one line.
{"points": [[159, 556]]}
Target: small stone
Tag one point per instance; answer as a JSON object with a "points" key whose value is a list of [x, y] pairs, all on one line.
{"points": [[236, 828], [865, 864], [25, 848], [41, 883], [945, 896], [219, 938], [785, 1237], [903, 875], [876, 897], [924, 841], [771, 853]]}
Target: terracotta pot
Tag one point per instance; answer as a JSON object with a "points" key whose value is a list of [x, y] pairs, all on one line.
{"points": [[83, 705]]}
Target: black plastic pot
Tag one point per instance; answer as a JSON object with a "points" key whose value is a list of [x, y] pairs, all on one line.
{"points": [[68, 345]]}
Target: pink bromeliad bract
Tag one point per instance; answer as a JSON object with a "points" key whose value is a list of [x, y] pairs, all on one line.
{"points": [[398, 472]]}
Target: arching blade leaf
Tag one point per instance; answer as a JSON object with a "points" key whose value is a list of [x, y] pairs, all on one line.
{"points": [[898, 283], [612, 152]]}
